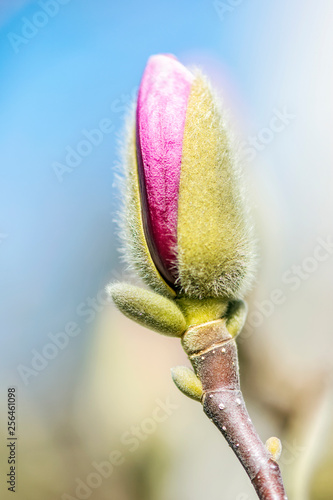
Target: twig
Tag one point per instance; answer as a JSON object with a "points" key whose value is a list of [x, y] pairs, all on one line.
{"points": [[213, 354]]}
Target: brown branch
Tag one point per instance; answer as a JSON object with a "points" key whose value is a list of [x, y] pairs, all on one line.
{"points": [[213, 354]]}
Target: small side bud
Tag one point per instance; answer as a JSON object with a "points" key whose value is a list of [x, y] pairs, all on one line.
{"points": [[148, 309], [187, 382], [236, 316], [274, 446]]}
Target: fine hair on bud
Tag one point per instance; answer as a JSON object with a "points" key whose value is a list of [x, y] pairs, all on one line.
{"points": [[216, 245], [134, 247], [215, 252]]}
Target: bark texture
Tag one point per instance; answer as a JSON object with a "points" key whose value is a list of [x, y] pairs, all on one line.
{"points": [[213, 354]]}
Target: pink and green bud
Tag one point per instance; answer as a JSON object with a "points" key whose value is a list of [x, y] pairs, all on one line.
{"points": [[187, 227], [160, 123]]}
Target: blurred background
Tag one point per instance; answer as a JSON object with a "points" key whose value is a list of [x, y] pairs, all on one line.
{"points": [[90, 382]]}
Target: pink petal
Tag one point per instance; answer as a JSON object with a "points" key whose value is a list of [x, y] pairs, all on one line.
{"points": [[161, 113]]}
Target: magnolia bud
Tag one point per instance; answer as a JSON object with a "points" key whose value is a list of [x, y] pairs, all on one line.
{"points": [[186, 224]]}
